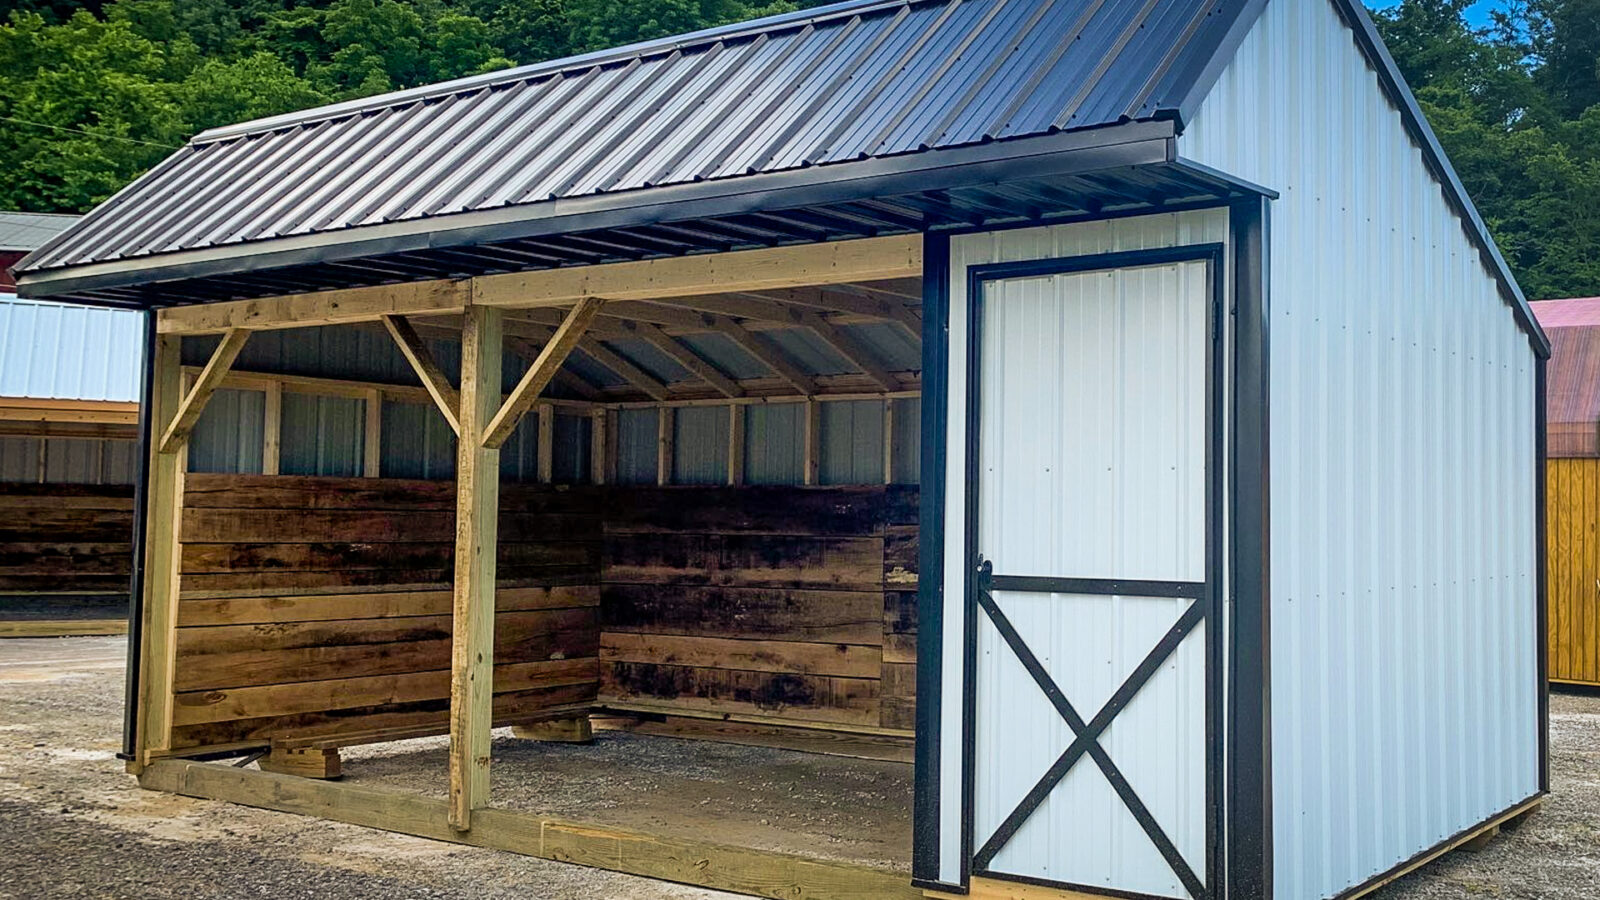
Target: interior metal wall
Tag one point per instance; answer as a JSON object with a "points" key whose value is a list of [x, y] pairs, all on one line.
{"points": [[64, 460], [1402, 432], [1134, 233]]}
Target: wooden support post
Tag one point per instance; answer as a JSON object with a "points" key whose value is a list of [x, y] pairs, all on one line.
{"points": [[547, 443], [307, 762], [597, 447], [888, 441], [433, 378], [372, 439], [812, 461], [162, 552], [571, 730], [664, 445], [736, 425], [538, 376], [194, 402], [272, 429], [613, 438], [477, 514]]}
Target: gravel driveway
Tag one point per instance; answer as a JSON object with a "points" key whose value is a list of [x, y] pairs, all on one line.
{"points": [[73, 825]]}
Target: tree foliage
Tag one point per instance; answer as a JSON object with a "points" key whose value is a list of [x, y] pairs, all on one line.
{"points": [[96, 91], [1516, 105]]}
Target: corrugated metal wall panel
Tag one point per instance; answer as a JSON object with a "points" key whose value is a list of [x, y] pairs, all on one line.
{"points": [[416, 442], [65, 352], [775, 443], [19, 459], [334, 432], [570, 456], [1205, 226], [851, 442], [700, 445], [907, 441], [638, 446], [1402, 441], [228, 437], [519, 456]]}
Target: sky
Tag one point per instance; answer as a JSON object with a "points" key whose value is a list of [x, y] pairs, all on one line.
{"points": [[1477, 15]]}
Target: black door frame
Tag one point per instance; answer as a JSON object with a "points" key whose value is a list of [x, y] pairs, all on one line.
{"points": [[1207, 595]]}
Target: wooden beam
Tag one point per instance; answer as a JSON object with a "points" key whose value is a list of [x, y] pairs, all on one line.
{"points": [[598, 444], [365, 304], [670, 857], [477, 514], [641, 380], [272, 428], [888, 441], [372, 435], [421, 359], [688, 359], [770, 357], [194, 403], [529, 351], [736, 425], [158, 655], [835, 262], [664, 448], [844, 299], [811, 460], [849, 348], [541, 371], [547, 443], [79, 412]]}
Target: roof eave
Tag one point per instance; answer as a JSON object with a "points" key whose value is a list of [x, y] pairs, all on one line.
{"points": [[1125, 144]]}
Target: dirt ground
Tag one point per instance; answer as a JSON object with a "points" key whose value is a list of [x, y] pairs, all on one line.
{"points": [[73, 825]]}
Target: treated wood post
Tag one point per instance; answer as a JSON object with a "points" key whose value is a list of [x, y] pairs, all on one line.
{"points": [[162, 550], [477, 512]]}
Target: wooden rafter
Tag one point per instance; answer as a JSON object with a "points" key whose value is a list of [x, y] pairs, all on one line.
{"points": [[641, 380], [843, 300], [421, 359], [770, 357], [687, 358], [849, 348], [194, 403], [541, 371], [528, 350]]}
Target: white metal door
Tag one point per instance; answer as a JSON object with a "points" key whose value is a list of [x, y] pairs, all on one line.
{"points": [[1092, 541]]}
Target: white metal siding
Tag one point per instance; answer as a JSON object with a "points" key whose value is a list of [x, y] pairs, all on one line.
{"points": [[1402, 431], [1198, 227], [65, 352]]}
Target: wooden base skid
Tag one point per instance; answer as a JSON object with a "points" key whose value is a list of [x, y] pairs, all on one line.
{"points": [[741, 870], [62, 627]]}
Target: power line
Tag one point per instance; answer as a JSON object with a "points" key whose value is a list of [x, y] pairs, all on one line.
{"points": [[108, 137]]}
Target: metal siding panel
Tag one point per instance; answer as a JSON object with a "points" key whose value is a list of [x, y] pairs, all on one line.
{"points": [[907, 440], [322, 435], [573, 436], [65, 352], [873, 79], [19, 459], [851, 442], [229, 437], [1204, 226], [1403, 580], [774, 443], [700, 445], [519, 456], [637, 446], [416, 442]]}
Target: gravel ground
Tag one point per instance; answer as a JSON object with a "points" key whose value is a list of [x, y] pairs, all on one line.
{"points": [[73, 825]]}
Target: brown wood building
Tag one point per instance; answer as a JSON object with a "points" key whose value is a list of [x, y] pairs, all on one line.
{"points": [[1572, 502]]}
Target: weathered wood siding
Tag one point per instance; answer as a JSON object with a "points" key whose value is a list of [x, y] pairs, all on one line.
{"points": [[321, 606], [65, 538], [790, 603], [1573, 512]]}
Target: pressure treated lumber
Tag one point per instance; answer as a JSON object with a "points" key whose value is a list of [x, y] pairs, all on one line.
{"points": [[162, 553], [539, 374], [306, 762], [211, 377], [416, 352], [758, 873], [477, 518], [568, 730]]}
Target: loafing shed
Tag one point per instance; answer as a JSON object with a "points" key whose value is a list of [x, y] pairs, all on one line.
{"points": [[1227, 509]]}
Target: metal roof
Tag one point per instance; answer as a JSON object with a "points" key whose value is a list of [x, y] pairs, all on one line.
{"points": [[837, 86], [30, 231], [1572, 389], [60, 351]]}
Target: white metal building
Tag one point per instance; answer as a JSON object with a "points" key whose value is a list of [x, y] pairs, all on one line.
{"points": [[1232, 456]]}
